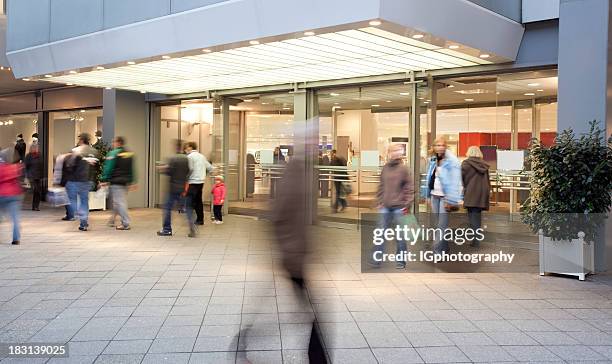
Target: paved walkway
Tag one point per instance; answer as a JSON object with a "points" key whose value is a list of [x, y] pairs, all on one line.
{"points": [[133, 297]]}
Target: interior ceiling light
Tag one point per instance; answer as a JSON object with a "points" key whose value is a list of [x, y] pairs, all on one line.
{"points": [[166, 57], [454, 46], [534, 84], [73, 72], [254, 42], [418, 36], [309, 33], [375, 23], [206, 51], [48, 76], [131, 62], [345, 54], [405, 93], [375, 105], [334, 94], [469, 100], [484, 55], [540, 90], [529, 94], [99, 68], [25, 79]]}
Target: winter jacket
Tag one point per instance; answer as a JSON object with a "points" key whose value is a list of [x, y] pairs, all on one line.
{"points": [[80, 166], [119, 167], [450, 177], [218, 193], [178, 170], [476, 184], [20, 150], [10, 176], [33, 166], [396, 187]]}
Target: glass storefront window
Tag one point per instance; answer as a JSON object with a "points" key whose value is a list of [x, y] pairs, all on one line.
{"points": [[64, 130], [13, 125]]}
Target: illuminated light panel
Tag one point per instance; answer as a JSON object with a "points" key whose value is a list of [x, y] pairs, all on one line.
{"points": [[345, 54]]}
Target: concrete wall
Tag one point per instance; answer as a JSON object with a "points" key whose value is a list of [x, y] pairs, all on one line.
{"points": [[125, 114], [35, 22], [511, 9]]}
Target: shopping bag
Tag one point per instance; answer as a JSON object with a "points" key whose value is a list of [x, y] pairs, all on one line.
{"points": [[101, 193], [57, 196]]}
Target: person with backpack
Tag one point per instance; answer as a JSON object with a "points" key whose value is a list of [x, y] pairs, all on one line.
{"points": [[118, 171], [81, 171], [10, 190], [218, 193]]}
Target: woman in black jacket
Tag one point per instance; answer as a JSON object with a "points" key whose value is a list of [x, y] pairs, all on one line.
{"points": [[34, 173], [476, 187]]}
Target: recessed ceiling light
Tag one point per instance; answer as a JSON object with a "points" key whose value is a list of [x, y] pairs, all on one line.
{"points": [[69, 84], [99, 68], [336, 103], [405, 93], [540, 90], [206, 51], [131, 62], [248, 100], [309, 33], [82, 110], [418, 36], [534, 84], [484, 55], [166, 57], [265, 103], [529, 94], [375, 23], [454, 46], [25, 79], [286, 108], [547, 129], [451, 86], [143, 92], [109, 88], [469, 100], [375, 105], [421, 98], [334, 94], [73, 72], [48, 76], [254, 42], [426, 102], [506, 114], [388, 101]]}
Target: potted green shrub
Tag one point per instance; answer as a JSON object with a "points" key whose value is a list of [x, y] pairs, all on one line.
{"points": [[571, 186]]}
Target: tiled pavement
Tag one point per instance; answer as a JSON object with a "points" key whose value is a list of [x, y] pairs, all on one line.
{"points": [[133, 297]]}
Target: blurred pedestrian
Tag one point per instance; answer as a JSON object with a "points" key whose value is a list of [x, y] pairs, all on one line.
{"points": [[20, 148], [10, 190], [278, 159], [444, 188], [198, 167], [340, 177], [81, 168], [476, 187], [34, 173], [289, 220], [218, 193], [60, 178], [177, 168], [118, 171], [395, 195]]}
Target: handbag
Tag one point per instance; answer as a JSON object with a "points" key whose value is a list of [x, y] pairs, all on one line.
{"points": [[57, 196]]}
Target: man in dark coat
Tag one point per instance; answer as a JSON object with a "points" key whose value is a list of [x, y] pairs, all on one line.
{"points": [[20, 149], [34, 173], [476, 187]]}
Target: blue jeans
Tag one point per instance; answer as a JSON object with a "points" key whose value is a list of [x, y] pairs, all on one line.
{"points": [[389, 217], [12, 205], [172, 199], [438, 209], [79, 191]]}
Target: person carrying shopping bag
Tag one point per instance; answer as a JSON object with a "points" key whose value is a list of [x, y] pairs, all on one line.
{"points": [[394, 196], [443, 188]]}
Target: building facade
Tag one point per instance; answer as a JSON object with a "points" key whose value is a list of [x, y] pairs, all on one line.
{"points": [[244, 78]]}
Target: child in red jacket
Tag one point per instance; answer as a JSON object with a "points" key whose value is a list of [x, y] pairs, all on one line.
{"points": [[218, 192]]}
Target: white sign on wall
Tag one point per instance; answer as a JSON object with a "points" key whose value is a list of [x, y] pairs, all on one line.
{"points": [[510, 160]]}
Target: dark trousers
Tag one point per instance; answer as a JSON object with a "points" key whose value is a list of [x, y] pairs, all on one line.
{"points": [[36, 192], [218, 213], [475, 217], [340, 201], [195, 196]]}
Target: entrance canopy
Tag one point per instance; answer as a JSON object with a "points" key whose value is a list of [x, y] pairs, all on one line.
{"points": [[246, 43]]}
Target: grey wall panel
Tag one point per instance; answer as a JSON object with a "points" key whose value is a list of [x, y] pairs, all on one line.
{"points": [[18, 103], [540, 44], [71, 18], [177, 6], [72, 98], [28, 23], [509, 8], [121, 12]]}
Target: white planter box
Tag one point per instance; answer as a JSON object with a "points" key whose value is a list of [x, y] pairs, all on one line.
{"points": [[96, 203], [574, 258]]}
